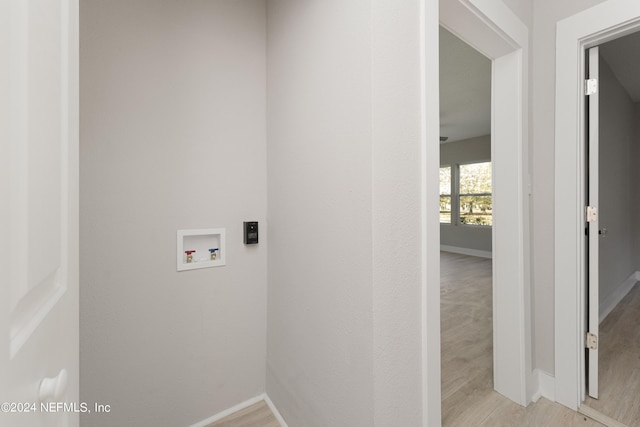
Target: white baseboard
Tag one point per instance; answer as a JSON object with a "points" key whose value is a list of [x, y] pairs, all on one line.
{"points": [[466, 251], [227, 412], [275, 411], [621, 291], [240, 407], [546, 386]]}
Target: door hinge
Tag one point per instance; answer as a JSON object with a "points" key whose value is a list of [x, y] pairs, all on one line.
{"points": [[590, 86], [592, 214], [591, 341]]}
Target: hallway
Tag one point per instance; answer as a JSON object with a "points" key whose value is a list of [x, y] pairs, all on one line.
{"points": [[619, 372], [467, 357]]}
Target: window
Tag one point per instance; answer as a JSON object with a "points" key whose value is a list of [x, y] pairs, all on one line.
{"points": [[445, 194], [465, 194], [475, 194]]}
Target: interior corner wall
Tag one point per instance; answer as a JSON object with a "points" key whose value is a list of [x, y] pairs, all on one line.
{"points": [[173, 136], [523, 10], [344, 189], [617, 184], [320, 313], [460, 152], [398, 194], [547, 13]]}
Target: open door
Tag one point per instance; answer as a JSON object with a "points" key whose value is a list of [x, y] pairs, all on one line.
{"points": [[591, 336], [39, 213]]}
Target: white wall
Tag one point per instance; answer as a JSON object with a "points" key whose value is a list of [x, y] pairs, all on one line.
{"points": [[344, 213], [320, 329], [320, 335], [523, 9], [619, 190], [172, 137], [398, 255], [460, 152], [546, 14]]}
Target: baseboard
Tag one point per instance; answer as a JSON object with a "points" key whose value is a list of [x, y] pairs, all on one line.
{"points": [[275, 411], [621, 291], [240, 407], [232, 410], [466, 251], [546, 386]]}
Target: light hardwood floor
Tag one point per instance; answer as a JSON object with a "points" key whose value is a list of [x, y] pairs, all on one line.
{"points": [[466, 329], [619, 364], [468, 398], [257, 415]]}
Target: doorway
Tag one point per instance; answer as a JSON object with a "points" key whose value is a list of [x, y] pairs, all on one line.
{"points": [[493, 30], [466, 219], [613, 249], [592, 27]]}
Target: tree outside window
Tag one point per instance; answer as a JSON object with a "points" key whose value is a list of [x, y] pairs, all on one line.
{"points": [[466, 195], [476, 206], [445, 194]]}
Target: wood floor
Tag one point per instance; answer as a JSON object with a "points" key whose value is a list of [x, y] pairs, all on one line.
{"points": [[619, 363], [466, 329], [257, 415], [468, 398]]}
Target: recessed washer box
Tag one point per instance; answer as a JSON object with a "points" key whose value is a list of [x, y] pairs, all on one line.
{"points": [[206, 247]]}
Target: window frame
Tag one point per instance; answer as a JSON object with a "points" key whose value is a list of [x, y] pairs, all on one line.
{"points": [[455, 194]]}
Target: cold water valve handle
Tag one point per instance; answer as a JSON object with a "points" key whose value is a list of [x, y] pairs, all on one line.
{"points": [[213, 253]]}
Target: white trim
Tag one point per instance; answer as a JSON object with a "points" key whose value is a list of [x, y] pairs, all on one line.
{"points": [[232, 410], [275, 411], [466, 251], [430, 217], [492, 28], [546, 386], [500, 17], [616, 296], [603, 22]]}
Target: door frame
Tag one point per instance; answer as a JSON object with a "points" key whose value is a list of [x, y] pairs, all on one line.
{"points": [[601, 23], [494, 30]]}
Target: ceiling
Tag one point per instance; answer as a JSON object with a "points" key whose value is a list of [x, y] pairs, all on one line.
{"points": [[623, 56], [465, 90], [465, 82]]}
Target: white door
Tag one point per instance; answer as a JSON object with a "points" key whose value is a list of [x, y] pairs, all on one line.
{"points": [[39, 213], [591, 338]]}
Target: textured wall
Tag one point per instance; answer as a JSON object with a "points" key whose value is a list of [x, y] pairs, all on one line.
{"points": [[320, 337], [344, 213], [398, 193], [173, 99]]}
